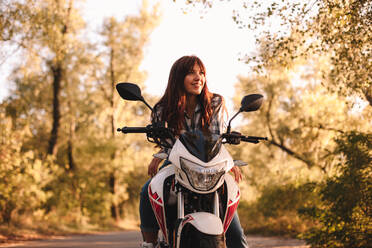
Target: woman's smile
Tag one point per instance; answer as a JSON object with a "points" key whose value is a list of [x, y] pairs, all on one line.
{"points": [[194, 81]]}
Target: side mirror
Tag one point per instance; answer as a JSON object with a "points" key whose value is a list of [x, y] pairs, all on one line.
{"points": [[249, 103], [131, 92]]}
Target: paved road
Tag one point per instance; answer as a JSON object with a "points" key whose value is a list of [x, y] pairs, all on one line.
{"points": [[132, 239]]}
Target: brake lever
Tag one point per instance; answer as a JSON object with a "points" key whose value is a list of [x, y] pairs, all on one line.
{"points": [[160, 134], [232, 138]]}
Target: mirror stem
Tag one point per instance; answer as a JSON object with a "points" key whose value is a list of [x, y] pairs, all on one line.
{"points": [[229, 126], [147, 105]]}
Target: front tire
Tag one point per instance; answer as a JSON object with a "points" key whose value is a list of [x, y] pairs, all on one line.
{"points": [[193, 238]]}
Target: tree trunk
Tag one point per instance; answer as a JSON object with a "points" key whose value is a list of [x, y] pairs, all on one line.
{"points": [[114, 206], [57, 70], [71, 161], [57, 78], [368, 94], [115, 214]]}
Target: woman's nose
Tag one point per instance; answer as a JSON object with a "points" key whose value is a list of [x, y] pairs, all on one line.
{"points": [[197, 76]]}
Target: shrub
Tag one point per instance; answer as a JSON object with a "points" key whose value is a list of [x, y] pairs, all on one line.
{"points": [[276, 210], [345, 215]]}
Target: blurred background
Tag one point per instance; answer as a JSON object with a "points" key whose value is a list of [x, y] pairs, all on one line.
{"points": [[63, 167]]}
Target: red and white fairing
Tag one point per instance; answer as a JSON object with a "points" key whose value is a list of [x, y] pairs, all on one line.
{"points": [[156, 196], [205, 222], [233, 197]]}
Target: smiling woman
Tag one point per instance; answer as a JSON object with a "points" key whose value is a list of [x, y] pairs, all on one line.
{"points": [[187, 105]]}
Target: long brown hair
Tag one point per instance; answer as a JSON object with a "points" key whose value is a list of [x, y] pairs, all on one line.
{"points": [[173, 102]]}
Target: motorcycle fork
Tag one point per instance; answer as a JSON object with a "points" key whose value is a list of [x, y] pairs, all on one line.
{"points": [[180, 205]]}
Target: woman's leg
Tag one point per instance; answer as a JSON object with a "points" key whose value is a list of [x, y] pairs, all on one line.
{"points": [[149, 226], [235, 237]]}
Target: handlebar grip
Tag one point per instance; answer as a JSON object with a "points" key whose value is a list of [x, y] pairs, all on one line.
{"points": [[256, 137], [250, 140], [133, 130]]}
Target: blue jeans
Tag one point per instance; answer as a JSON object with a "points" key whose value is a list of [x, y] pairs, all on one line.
{"points": [[235, 237]]}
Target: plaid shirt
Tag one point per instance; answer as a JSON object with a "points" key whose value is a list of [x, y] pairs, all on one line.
{"points": [[217, 124]]}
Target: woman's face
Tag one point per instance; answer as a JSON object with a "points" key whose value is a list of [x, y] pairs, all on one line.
{"points": [[194, 80]]}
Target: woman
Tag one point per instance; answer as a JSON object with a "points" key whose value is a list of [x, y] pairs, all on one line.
{"points": [[187, 104]]}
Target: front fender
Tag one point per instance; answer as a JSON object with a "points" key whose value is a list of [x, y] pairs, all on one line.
{"points": [[207, 225], [205, 222]]}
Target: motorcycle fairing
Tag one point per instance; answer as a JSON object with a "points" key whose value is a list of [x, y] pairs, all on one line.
{"points": [[156, 197], [179, 151], [157, 200], [233, 197], [204, 145]]}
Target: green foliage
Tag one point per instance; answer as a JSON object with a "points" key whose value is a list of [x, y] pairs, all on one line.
{"points": [[23, 176], [286, 31], [341, 30], [345, 215], [276, 211], [301, 118], [92, 169]]}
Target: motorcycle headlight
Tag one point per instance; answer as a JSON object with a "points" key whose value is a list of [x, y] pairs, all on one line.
{"points": [[202, 178]]}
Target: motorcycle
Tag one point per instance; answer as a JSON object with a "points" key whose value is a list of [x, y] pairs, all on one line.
{"points": [[194, 198]]}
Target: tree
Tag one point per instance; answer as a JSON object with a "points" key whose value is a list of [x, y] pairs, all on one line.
{"points": [[346, 215], [301, 119], [342, 29], [122, 51], [50, 96], [298, 115], [46, 32], [77, 78]]}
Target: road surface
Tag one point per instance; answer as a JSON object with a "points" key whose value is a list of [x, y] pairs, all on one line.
{"points": [[132, 239]]}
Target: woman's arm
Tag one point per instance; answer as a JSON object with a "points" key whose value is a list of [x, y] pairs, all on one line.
{"points": [[153, 166], [237, 173]]}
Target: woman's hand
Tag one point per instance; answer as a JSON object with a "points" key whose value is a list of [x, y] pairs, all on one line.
{"points": [[237, 173], [153, 166]]}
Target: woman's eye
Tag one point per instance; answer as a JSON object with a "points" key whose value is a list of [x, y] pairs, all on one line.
{"points": [[195, 72]]}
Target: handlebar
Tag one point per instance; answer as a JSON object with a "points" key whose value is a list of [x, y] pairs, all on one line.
{"points": [[133, 129], [158, 133]]}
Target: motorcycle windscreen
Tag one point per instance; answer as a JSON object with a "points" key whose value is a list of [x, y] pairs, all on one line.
{"points": [[202, 144]]}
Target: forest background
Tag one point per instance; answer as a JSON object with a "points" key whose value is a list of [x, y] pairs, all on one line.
{"points": [[63, 167]]}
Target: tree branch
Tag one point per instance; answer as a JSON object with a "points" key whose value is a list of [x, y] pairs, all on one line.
{"points": [[281, 144], [320, 126], [309, 163]]}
